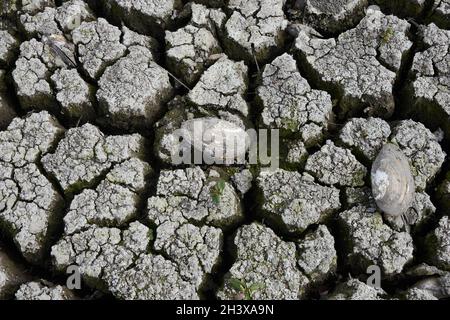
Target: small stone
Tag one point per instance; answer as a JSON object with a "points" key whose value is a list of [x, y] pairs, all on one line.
{"points": [[243, 181]]}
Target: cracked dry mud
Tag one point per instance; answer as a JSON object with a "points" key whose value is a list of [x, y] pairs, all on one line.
{"points": [[93, 94]]}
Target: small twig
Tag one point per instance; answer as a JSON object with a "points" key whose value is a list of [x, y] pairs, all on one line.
{"points": [[179, 81], [64, 57], [412, 21], [254, 57], [78, 122]]}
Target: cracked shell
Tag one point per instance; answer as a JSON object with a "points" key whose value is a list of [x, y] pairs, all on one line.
{"points": [[392, 181]]}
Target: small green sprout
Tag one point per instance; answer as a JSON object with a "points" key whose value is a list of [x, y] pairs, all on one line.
{"points": [[290, 124], [150, 234], [387, 35], [244, 291], [217, 191]]}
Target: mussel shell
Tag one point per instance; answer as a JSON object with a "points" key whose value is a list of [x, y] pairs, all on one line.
{"points": [[392, 181], [221, 140]]}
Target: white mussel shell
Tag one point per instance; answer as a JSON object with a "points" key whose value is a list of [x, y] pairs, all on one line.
{"points": [[392, 181], [220, 140]]}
